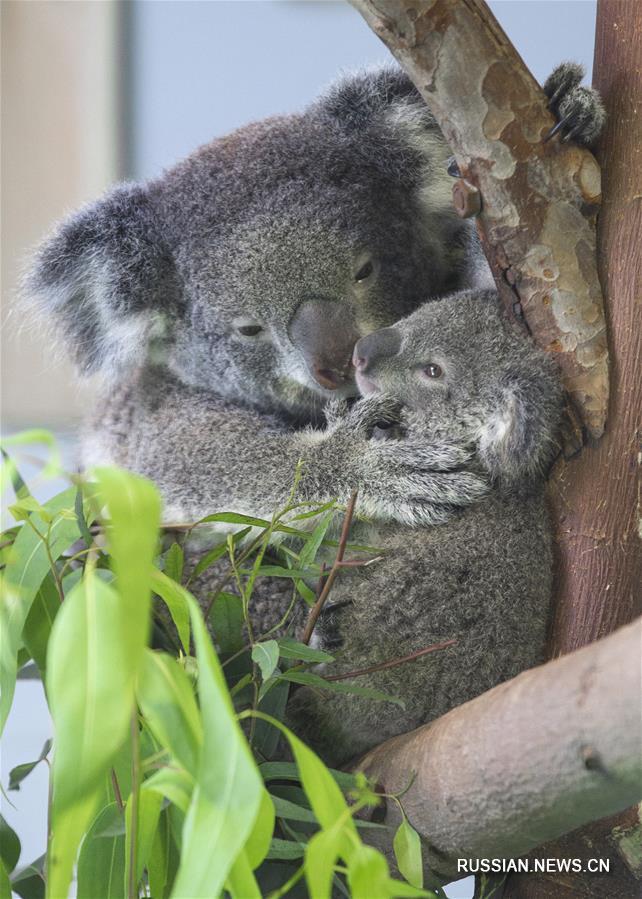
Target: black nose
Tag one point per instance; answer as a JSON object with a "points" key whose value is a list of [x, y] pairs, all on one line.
{"points": [[378, 345]]}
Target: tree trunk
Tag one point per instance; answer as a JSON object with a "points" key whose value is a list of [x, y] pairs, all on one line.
{"points": [[599, 565], [537, 756], [453, 50]]}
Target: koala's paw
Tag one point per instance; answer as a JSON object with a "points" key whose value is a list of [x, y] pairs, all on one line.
{"points": [[327, 631], [423, 483], [373, 414], [578, 109]]}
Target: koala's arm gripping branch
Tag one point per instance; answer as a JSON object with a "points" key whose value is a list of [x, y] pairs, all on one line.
{"points": [[538, 197], [570, 752]]}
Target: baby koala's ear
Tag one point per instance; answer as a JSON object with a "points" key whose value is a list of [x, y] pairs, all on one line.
{"points": [[518, 441], [107, 280]]}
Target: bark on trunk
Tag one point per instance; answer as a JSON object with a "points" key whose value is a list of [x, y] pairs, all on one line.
{"points": [[538, 198], [556, 747]]}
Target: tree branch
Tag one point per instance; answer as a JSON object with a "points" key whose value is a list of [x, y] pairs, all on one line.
{"points": [[538, 198], [570, 752]]}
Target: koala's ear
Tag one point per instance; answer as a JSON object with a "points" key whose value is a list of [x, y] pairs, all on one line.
{"points": [[107, 280], [519, 440], [383, 113]]}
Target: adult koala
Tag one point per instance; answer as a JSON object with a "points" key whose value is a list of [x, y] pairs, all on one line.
{"points": [[223, 299], [483, 576]]}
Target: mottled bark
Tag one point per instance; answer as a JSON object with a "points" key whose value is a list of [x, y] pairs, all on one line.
{"points": [[526, 762], [536, 203], [538, 198]]}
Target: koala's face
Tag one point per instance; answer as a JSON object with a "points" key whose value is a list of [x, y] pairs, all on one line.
{"points": [[251, 268], [460, 368]]}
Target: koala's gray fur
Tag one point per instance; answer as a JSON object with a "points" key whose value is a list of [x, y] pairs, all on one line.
{"points": [[482, 576], [200, 296]]}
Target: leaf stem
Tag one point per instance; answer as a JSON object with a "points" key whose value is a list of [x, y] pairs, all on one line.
{"points": [[392, 663], [132, 883]]}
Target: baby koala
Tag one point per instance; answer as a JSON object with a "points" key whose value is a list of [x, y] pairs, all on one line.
{"points": [[467, 379]]}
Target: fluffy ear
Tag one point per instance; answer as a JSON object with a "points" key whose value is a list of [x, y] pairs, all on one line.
{"points": [[518, 442], [107, 281], [383, 113]]}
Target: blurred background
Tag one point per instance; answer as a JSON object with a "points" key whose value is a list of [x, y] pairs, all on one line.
{"points": [[94, 91]]}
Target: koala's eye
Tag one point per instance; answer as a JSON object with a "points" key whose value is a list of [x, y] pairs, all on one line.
{"points": [[249, 330], [364, 272], [432, 370]]}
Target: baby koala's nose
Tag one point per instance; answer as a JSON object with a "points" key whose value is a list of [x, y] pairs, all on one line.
{"points": [[378, 345]]}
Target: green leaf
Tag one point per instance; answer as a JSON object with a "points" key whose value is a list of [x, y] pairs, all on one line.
{"points": [[81, 521], [317, 511], [291, 811], [226, 618], [266, 656], [407, 849], [311, 548], [321, 856], [289, 771], [18, 774], [5, 883], [37, 627], [241, 882], [149, 809], [266, 737], [52, 465], [285, 849], [258, 842], [368, 874], [29, 882], [228, 790], [174, 784], [26, 569], [216, 553], [163, 861], [134, 513], [291, 649], [174, 560], [279, 571], [9, 846], [170, 592], [314, 680], [91, 709], [167, 701], [101, 864]]}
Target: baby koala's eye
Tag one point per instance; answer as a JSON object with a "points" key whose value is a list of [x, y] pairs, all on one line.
{"points": [[364, 272], [249, 330], [432, 370]]}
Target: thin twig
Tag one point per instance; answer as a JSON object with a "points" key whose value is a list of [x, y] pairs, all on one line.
{"points": [[392, 663], [132, 882], [315, 611], [116, 787]]}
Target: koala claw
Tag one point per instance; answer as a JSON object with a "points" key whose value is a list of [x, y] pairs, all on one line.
{"points": [[578, 109], [374, 412]]}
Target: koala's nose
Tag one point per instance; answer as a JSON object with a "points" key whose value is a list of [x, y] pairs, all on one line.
{"points": [[325, 332], [378, 345]]}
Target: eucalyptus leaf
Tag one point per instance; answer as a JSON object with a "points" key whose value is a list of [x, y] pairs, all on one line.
{"points": [[101, 863], [228, 791], [226, 619], [28, 565], [9, 846], [18, 774], [407, 849], [167, 701], [266, 656], [291, 649], [314, 680], [174, 560], [170, 592]]}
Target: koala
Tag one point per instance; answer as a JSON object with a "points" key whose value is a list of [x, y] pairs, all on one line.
{"points": [[221, 302], [486, 401]]}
